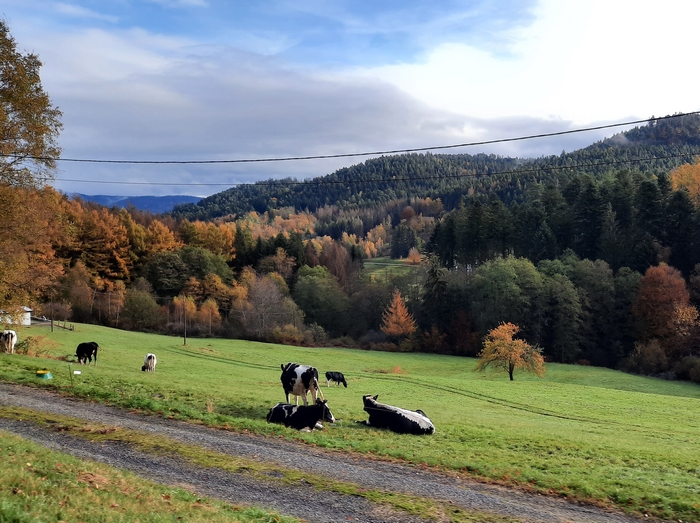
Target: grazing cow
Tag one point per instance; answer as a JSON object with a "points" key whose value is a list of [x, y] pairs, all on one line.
{"points": [[336, 377], [86, 351], [396, 419], [8, 339], [301, 417], [298, 380], [149, 363]]}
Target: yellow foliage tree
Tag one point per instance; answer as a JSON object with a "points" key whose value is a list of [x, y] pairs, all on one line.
{"points": [[397, 322], [503, 352], [688, 177]]}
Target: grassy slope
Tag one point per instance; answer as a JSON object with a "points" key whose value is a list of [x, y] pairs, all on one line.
{"points": [[588, 433]]}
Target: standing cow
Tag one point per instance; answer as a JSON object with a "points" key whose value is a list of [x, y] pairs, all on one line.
{"points": [[8, 339], [149, 363], [396, 419], [336, 377], [86, 351], [298, 380]]}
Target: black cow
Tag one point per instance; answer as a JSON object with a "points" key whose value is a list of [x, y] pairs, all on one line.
{"points": [[301, 416], [298, 380], [86, 351], [336, 377], [396, 419]]}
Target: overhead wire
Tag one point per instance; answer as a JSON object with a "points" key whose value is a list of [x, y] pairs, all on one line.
{"points": [[321, 180], [324, 181]]}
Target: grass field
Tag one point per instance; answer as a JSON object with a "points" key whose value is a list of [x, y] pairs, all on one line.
{"points": [[382, 269], [585, 433]]}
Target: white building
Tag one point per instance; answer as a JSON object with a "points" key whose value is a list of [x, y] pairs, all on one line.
{"points": [[23, 316]]}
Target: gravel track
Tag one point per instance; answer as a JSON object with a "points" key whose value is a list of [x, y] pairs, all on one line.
{"points": [[302, 500]]}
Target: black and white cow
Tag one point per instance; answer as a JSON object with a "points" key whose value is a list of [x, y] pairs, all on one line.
{"points": [[336, 377], [301, 417], [149, 363], [298, 380], [86, 351], [396, 419], [8, 339]]}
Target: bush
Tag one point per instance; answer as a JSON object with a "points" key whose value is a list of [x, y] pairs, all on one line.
{"points": [[315, 335], [287, 335], [688, 369], [37, 347], [649, 358]]}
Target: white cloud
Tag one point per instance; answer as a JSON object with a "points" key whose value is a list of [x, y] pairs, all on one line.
{"points": [[580, 61], [78, 11], [180, 3]]}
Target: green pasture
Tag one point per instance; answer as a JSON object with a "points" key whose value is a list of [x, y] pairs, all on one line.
{"points": [[586, 433], [384, 268]]}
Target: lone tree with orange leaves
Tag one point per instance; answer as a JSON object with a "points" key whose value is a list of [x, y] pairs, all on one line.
{"points": [[397, 322], [503, 352]]}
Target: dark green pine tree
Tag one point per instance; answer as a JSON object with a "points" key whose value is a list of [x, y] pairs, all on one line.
{"points": [[588, 211], [681, 232]]}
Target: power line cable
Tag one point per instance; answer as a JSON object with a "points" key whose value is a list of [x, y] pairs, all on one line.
{"points": [[351, 155], [322, 181]]}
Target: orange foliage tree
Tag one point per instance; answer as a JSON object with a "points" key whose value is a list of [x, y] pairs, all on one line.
{"points": [[504, 352], [661, 291], [397, 322]]}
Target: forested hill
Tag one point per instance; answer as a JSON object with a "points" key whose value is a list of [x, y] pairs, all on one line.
{"points": [[653, 148]]}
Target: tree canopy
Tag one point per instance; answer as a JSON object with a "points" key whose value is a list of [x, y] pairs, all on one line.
{"points": [[29, 123], [504, 352]]}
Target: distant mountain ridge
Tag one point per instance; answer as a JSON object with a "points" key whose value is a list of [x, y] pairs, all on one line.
{"points": [[154, 204], [655, 148]]}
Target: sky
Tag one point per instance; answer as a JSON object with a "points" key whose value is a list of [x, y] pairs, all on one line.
{"points": [[203, 80]]}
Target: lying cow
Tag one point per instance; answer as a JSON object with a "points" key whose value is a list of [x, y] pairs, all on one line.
{"points": [[149, 363], [8, 339], [86, 351], [336, 377], [396, 419], [301, 417], [298, 380]]}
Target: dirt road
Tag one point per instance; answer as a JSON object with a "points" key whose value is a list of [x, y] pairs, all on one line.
{"points": [[300, 500]]}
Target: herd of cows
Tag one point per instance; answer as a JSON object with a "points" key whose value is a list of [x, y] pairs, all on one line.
{"points": [[298, 381]]}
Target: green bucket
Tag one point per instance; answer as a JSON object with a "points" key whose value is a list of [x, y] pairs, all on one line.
{"points": [[44, 374]]}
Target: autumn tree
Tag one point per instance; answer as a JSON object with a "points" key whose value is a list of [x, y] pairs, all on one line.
{"points": [[503, 352], [661, 291], [29, 123], [29, 126], [687, 177], [208, 315], [29, 224], [396, 321]]}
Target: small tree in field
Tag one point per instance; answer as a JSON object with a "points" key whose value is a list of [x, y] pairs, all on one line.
{"points": [[397, 322], [503, 352]]}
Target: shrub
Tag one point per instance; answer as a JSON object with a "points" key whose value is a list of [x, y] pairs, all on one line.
{"points": [[37, 347], [287, 335], [315, 334], [688, 369], [649, 358]]}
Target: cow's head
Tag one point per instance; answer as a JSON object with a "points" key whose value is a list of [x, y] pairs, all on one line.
{"points": [[327, 414]]}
